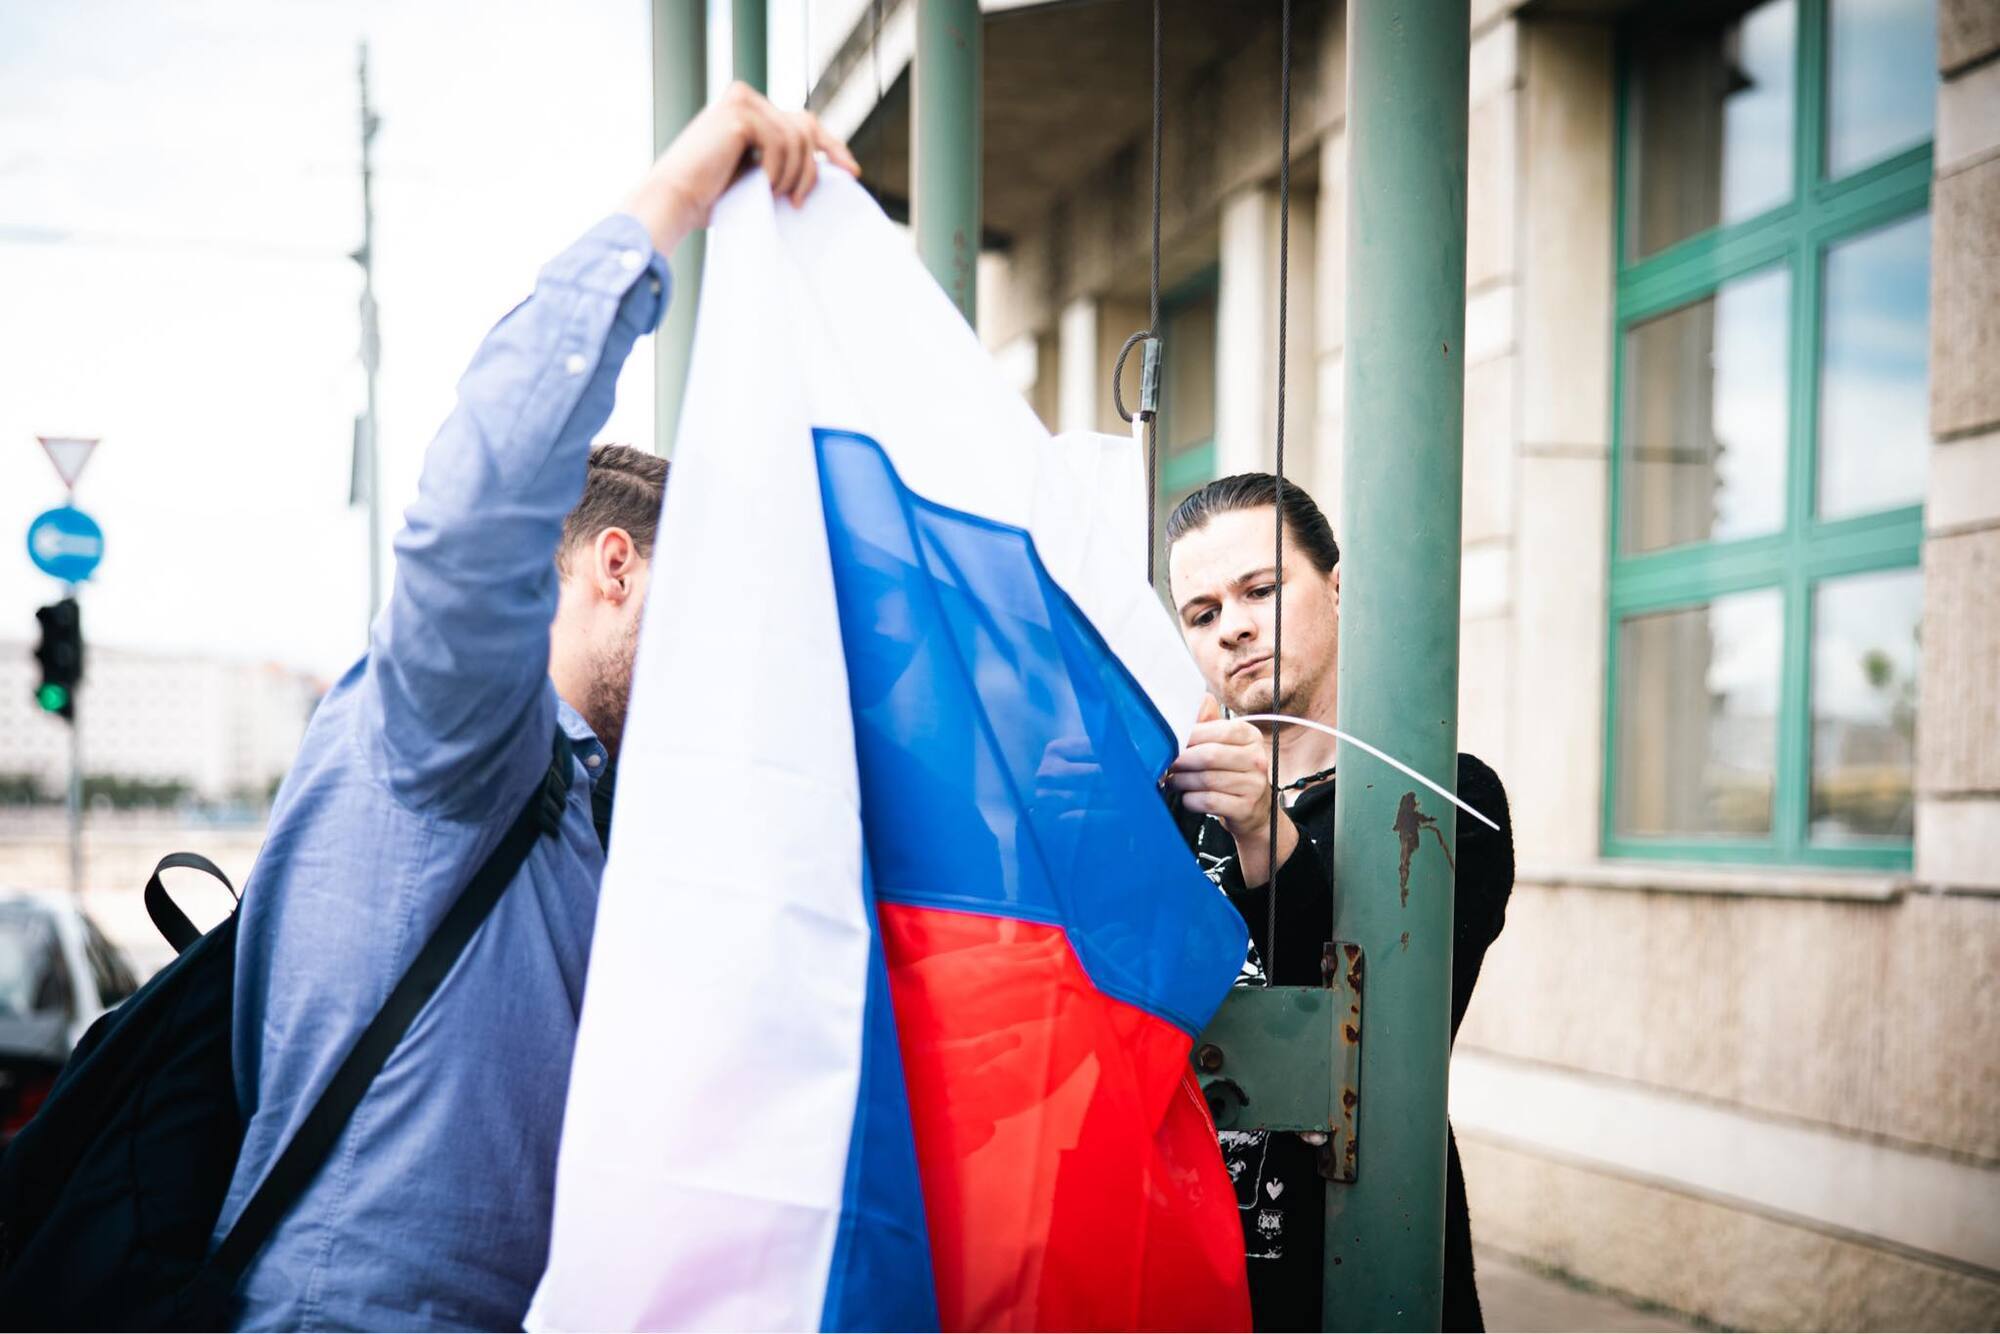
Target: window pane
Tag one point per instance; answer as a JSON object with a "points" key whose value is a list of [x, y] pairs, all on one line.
{"points": [[1881, 79], [1864, 695], [1705, 418], [1696, 731], [1712, 115], [1874, 403]]}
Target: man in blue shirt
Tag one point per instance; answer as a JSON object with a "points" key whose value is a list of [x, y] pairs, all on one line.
{"points": [[515, 610]]}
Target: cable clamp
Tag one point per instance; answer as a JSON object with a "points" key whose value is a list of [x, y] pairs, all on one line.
{"points": [[1149, 377]]}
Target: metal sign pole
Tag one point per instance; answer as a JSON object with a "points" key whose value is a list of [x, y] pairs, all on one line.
{"points": [[75, 801], [66, 544]]}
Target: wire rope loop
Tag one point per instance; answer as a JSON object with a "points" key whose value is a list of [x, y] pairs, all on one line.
{"points": [[1149, 399]]}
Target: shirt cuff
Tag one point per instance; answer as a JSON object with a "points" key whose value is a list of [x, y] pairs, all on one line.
{"points": [[612, 259]]}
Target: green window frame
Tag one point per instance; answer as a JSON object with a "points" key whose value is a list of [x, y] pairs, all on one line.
{"points": [[1192, 464], [1806, 550]]}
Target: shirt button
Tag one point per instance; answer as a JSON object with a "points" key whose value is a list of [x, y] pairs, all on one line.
{"points": [[630, 260], [575, 363], [654, 283], [592, 761]]}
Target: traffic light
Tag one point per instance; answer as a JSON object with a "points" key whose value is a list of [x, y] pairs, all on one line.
{"points": [[61, 655]]}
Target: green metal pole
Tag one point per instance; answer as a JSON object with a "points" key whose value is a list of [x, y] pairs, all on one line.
{"points": [[944, 146], [680, 89], [1398, 676], [749, 43]]}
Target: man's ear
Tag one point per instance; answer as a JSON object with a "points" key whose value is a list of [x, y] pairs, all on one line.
{"points": [[1336, 590], [615, 557]]}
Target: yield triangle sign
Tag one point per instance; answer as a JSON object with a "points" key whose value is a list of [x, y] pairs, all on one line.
{"points": [[69, 453]]}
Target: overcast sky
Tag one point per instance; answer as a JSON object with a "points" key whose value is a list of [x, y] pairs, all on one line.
{"points": [[178, 196]]}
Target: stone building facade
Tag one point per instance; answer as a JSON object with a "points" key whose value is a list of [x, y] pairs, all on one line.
{"points": [[1731, 538]]}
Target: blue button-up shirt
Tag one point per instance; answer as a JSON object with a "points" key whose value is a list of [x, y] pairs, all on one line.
{"points": [[433, 1209]]}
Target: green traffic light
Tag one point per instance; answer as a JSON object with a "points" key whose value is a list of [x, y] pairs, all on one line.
{"points": [[53, 698]]}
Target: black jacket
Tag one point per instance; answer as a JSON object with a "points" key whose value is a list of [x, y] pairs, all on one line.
{"points": [[1279, 1189]]}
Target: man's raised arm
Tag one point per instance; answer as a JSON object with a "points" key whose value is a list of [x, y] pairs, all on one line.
{"points": [[458, 658]]}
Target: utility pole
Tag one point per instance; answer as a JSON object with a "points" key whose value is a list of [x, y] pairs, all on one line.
{"points": [[371, 346]]}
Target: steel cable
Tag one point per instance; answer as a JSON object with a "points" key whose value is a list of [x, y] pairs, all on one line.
{"points": [[1278, 497]]}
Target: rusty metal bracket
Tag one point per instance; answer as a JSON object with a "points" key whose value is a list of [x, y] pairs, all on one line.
{"points": [[1289, 1059]]}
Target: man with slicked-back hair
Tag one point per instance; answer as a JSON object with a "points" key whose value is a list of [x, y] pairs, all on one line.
{"points": [[1220, 544]]}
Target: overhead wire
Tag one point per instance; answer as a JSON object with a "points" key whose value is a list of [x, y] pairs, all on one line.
{"points": [[1278, 470], [1153, 312], [1149, 338]]}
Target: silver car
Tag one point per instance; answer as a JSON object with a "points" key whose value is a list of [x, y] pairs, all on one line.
{"points": [[57, 975]]}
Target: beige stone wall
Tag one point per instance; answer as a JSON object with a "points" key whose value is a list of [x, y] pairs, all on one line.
{"points": [[1872, 1018], [1723, 1264]]}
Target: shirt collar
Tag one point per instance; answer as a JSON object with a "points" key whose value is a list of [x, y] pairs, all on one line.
{"points": [[589, 750]]}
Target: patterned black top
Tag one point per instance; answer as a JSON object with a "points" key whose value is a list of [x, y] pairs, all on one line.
{"points": [[1278, 1186]]}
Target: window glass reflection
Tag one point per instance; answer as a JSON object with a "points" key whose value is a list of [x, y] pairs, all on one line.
{"points": [[1864, 700], [1881, 80], [1697, 718], [1712, 117], [1874, 404], [1706, 418]]}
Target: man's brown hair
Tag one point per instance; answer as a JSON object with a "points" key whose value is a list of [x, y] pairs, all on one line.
{"points": [[624, 490]]}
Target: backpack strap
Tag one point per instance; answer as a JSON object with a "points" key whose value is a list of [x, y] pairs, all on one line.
{"points": [[302, 1158], [166, 914]]}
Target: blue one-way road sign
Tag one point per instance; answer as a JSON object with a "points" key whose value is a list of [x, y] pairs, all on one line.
{"points": [[66, 543]]}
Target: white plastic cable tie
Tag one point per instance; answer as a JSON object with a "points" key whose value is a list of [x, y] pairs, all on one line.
{"points": [[1381, 755]]}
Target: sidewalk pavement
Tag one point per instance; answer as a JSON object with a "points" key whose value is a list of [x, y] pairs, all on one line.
{"points": [[1516, 1297]]}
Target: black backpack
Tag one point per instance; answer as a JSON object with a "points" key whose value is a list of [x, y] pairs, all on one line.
{"points": [[109, 1196]]}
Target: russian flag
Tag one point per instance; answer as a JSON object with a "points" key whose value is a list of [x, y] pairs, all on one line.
{"points": [[899, 955]]}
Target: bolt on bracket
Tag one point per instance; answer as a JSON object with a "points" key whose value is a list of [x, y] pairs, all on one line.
{"points": [[1289, 1059]]}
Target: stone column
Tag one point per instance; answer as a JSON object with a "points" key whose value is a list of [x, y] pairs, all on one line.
{"points": [[1246, 389], [1243, 325], [1555, 731], [1078, 385], [1958, 719], [1089, 332], [1330, 310]]}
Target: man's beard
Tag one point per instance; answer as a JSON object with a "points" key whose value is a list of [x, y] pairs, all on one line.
{"points": [[610, 691]]}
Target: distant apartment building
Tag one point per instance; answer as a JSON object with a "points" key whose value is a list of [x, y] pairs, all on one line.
{"points": [[226, 729]]}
